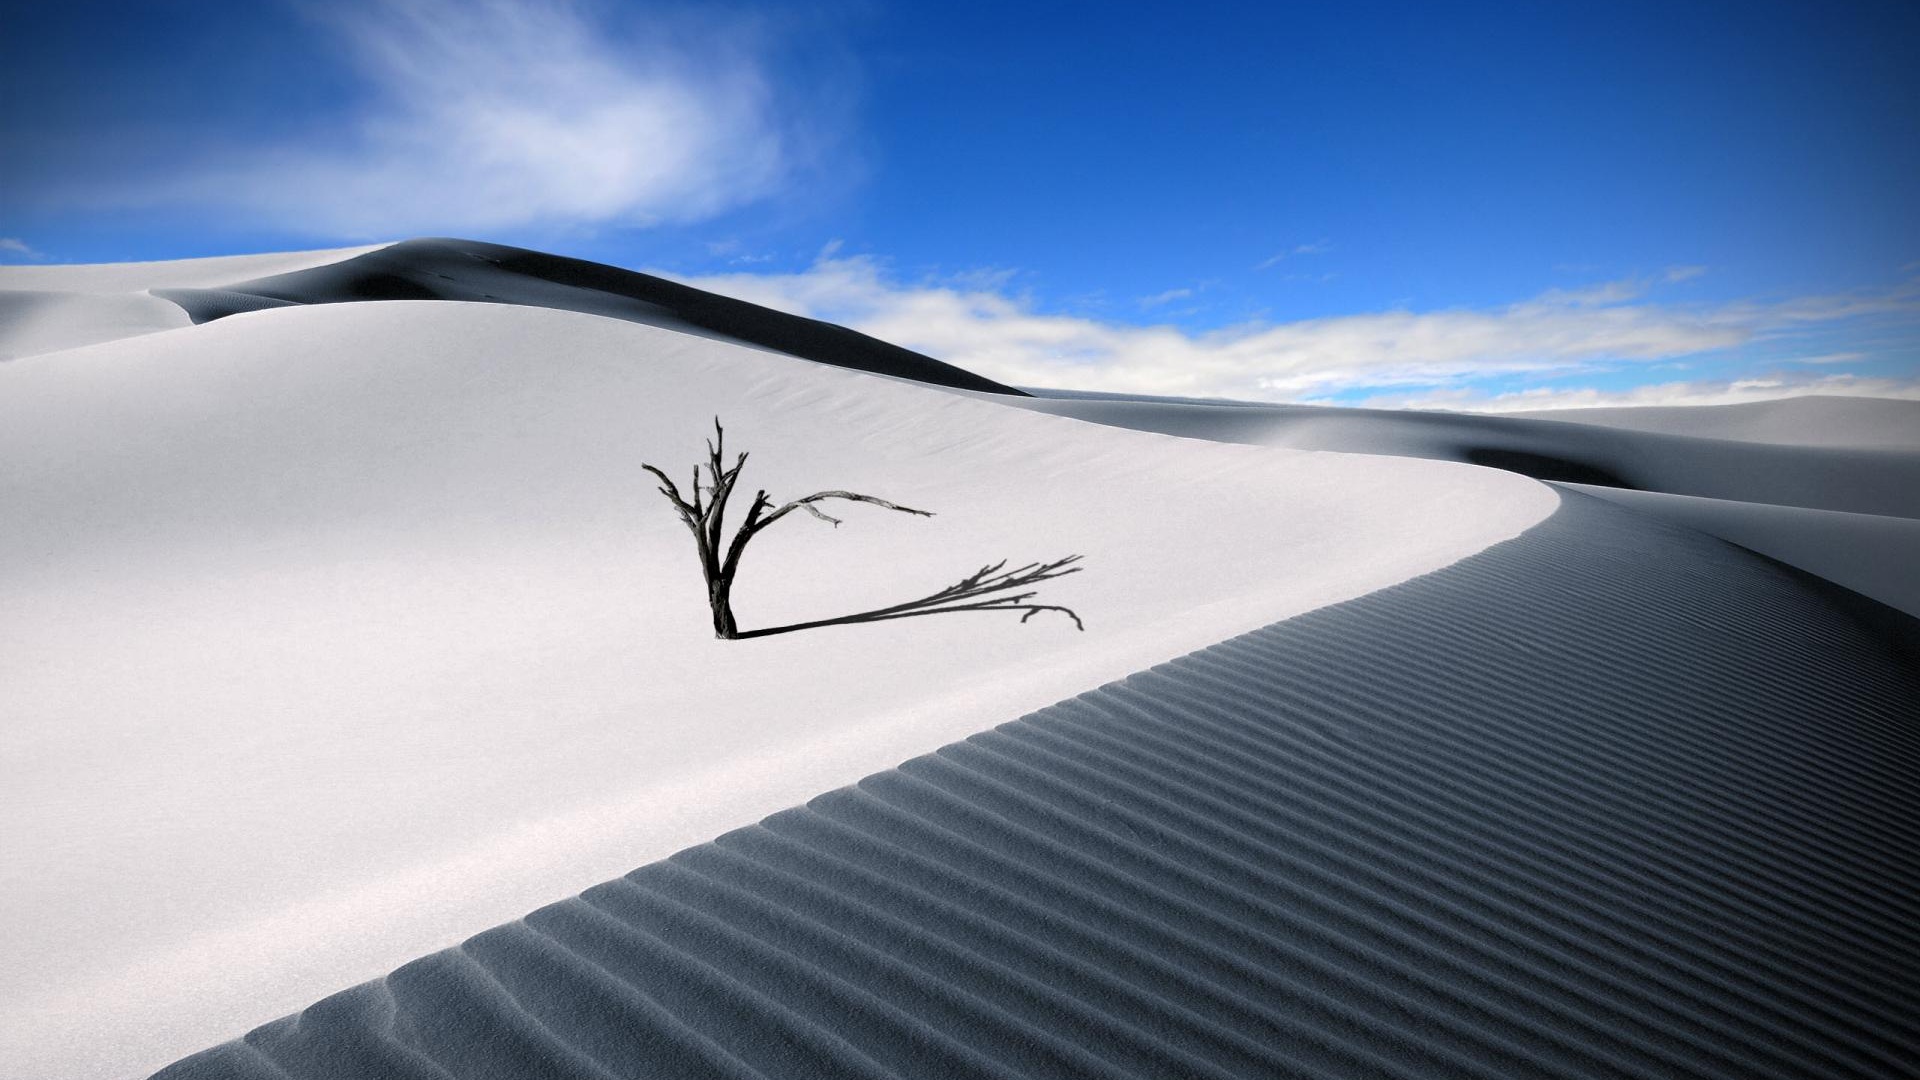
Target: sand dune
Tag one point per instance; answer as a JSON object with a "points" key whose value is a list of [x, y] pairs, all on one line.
{"points": [[1815, 420], [35, 321], [1878, 479], [440, 269], [48, 308], [170, 274], [336, 633], [1835, 492], [1518, 817], [1875, 556]]}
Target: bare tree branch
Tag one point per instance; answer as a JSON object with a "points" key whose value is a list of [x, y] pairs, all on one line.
{"points": [[982, 582], [706, 519], [807, 504]]}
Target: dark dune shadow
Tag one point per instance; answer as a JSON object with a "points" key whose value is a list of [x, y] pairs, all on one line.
{"points": [[206, 305], [1541, 466], [445, 269], [1611, 798]]}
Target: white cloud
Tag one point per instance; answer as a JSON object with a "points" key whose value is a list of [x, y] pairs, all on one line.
{"points": [[1683, 273], [483, 114], [16, 246], [1318, 247], [1702, 392], [1005, 337]]}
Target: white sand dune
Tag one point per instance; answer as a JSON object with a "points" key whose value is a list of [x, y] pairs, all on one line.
{"points": [[35, 321], [337, 633], [1518, 817], [172, 273], [44, 309]]}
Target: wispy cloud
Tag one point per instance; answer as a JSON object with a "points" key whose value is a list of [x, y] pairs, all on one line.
{"points": [[1168, 297], [483, 114], [1006, 337], [15, 246], [1318, 247], [1698, 392], [735, 253]]}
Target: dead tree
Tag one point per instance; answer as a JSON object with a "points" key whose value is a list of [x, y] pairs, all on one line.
{"points": [[990, 588]]}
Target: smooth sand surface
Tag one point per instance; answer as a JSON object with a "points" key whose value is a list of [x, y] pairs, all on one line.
{"points": [[172, 273], [44, 309], [1612, 798], [35, 321], [337, 633]]}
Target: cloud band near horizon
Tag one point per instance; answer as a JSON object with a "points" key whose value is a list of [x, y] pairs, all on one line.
{"points": [[1437, 359]]}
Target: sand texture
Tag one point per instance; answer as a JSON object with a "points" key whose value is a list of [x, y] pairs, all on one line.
{"points": [[1517, 817]]}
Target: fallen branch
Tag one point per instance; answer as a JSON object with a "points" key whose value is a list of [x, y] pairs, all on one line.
{"points": [[981, 582]]}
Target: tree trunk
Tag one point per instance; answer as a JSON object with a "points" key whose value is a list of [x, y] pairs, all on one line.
{"points": [[720, 595], [990, 588]]}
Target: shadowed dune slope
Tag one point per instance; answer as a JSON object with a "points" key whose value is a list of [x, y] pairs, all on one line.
{"points": [[1874, 555], [1813, 420], [445, 269], [1611, 798]]}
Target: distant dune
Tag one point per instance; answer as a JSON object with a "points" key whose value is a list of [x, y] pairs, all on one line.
{"points": [[1878, 479], [341, 627], [1840, 498], [1815, 420]]}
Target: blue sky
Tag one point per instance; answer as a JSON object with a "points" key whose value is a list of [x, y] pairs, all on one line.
{"points": [[1464, 205]]}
